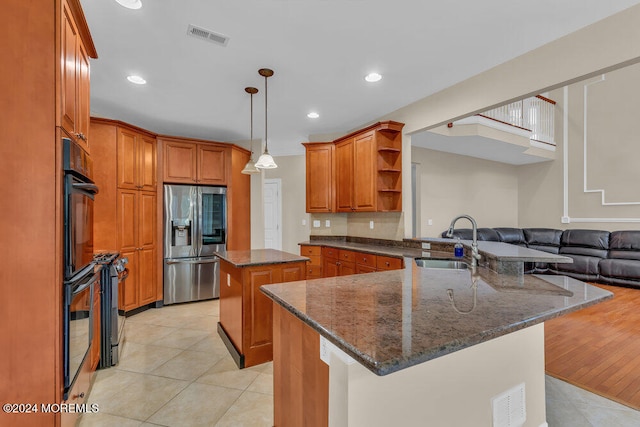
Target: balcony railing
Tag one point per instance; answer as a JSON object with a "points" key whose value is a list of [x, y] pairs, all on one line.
{"points": [[534, 114]]}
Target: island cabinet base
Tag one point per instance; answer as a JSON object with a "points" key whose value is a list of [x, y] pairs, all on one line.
{"points": [[301, 379], [464, 388], [246, 324]]}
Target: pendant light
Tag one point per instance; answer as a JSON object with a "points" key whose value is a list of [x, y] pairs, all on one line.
{"points": [[250, 167], [265, 161]]}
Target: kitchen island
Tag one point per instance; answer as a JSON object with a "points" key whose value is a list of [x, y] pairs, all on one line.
{"points": [[419, 346], [245, 323]]}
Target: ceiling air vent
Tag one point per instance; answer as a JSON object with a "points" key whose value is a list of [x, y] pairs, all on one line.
{"points": [[207, 35]]}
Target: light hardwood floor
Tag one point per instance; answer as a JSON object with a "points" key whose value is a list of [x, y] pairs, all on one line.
{"points": [[598, 348]]}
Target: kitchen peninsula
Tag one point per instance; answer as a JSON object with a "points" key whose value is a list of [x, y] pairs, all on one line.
{"points": [[451, 346]]}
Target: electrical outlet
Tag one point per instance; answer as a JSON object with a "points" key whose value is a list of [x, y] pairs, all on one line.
{"points": [[316, 223], [566, 220], [371, 225], [304, 222], [327, 223], [426, 245], [429, 222]]}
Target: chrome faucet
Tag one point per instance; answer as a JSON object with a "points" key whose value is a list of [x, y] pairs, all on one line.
{"points": [[475, 255]]}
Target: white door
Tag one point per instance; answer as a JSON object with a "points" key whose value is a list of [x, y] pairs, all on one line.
{"points": [[272, 214]]}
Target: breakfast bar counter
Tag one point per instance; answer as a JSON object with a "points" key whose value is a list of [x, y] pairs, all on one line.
{"points": [[424, 341]]}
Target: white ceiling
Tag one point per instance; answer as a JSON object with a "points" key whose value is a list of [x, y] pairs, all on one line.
{"points": [[320, 51]]}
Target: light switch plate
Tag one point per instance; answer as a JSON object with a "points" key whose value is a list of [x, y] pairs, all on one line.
{"points": [[426, 245], [327, 223], [371, 225], [316, 223]]}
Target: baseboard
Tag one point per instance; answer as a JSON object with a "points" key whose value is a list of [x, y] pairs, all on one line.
{"points": [[235, 354]]}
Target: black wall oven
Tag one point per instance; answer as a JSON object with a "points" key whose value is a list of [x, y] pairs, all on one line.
{"points": [[80, 271], [79, 192]]}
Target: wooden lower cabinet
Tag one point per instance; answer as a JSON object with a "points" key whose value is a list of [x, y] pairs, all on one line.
{"points": [[334, 262], [300, 378], [245, 313], [136, 225]]}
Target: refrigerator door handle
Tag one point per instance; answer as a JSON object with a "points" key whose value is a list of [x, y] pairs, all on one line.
{"points": [[192, 261]]}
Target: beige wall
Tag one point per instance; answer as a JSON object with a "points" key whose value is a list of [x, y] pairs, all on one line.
{"points": [[597, 115], [451, 184], [291, 171]]}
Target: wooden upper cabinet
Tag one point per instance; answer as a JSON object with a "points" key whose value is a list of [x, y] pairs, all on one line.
{"points": [[180, 162], [344, 176], [136, 159], [320, 181], [195, 163], [364, 173], [76, 49], [360, 172], [212, 164]]}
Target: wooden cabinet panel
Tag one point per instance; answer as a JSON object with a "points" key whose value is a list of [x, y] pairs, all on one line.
{"points": [[330, 253], [345, 255], [293, 273], [126, 221], [146, 276], [320, 180], [365, 259], [83, 96], [211, 165], [147, 222], [307, 250], [148, 159], [300, 378], [136, 160], [231, 315], [364, 173], [388, 263], [127, 159], [313, 272], [69, 74], [180, 162], [360, 269], [196, 163], [137, 241], [259, 333], [74, 79], [346, 268], [344, 176], [330, 267], [131, 286]]}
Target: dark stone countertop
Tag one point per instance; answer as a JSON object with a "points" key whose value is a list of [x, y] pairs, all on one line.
{"points": [[253, 257], [388, 321], [397, 251]]}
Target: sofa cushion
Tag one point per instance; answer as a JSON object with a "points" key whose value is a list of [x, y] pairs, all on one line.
{"points": [[596, 239], [624, 245], [543, 239], [487, 234], [587, 265], [620, 268], [514, 236], [576, 250]]}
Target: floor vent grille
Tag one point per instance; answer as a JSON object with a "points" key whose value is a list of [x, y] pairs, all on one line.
{"points": [[509, 408], [207, 35]]}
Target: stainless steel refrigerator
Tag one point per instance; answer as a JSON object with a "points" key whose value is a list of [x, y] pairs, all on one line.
{"points": [[195, 223]]}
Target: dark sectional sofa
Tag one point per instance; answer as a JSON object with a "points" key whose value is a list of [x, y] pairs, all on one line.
{"points": [[598, 256]]}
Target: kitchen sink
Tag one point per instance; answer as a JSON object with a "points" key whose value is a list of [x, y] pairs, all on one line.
{"points": [[449, 264]]}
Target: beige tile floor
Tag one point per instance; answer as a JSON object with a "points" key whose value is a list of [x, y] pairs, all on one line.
{"points": [[175, 371]]}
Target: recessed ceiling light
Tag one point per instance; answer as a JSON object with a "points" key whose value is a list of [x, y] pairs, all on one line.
{"points": [[130, 4], [373, 77], [137, 80], [313, 115]]}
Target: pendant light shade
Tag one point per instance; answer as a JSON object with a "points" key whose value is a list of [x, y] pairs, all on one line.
{"points": [[250, 167], [265, 161]]}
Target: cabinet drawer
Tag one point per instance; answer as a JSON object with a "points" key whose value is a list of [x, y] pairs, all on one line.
{"points": [[314, 271], [330, 253], [366, 259], [314, 260], [310, 250], [348, 256], [388, 263]]}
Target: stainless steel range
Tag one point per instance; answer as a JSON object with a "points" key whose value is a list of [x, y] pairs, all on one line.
{"points": [[113, 274]]}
